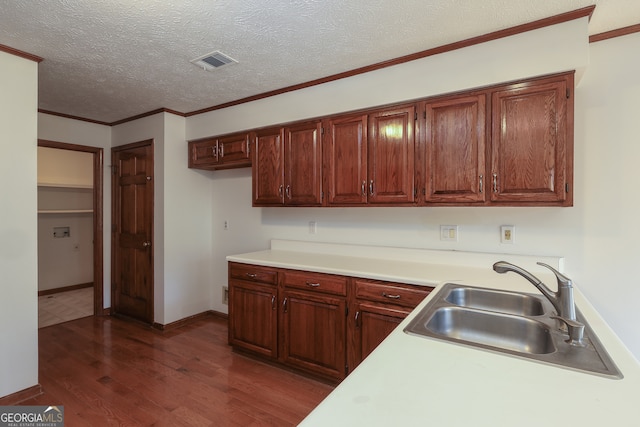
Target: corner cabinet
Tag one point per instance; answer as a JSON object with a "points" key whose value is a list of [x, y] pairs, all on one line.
{"points": [[320, 324], [532, 142], [224, 152]]}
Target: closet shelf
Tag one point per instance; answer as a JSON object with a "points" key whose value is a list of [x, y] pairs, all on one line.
{"points": [[58, 185], [64, 211]]}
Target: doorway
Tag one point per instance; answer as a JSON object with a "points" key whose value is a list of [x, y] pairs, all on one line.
{"points": [[96, 215], [132, 231]]}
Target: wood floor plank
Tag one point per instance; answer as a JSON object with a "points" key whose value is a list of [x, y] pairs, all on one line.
{"points": [[108, 371]]}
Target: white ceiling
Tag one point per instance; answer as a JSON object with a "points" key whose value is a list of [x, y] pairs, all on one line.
{"points": [[107, 60]]}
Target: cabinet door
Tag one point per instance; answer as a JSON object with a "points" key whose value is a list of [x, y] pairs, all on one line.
{"points": [[253, 317], [234, 149], [346, 157], [314, 333], [203, 154], [390, 162], [532, 143], [303, 164], [455, 150], [370, 325], [267, 167]]}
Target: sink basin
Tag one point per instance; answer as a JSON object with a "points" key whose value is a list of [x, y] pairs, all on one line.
{"points": [[513, 323], [491, 329], [493, 300]]}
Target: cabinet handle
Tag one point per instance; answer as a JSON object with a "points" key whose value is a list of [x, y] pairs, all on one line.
{"points": [[222, 150], [288, 191], [284, 305], [313, 285], [357, 318], [371, 187], [146, 244], [252, 275], [481, 185], [214, 151], [386, 295], [280, 190], [495, 182], [364, 188], [273, 302]]}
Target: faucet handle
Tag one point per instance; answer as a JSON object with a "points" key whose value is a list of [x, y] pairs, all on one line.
{"points": [[563, 281], [575, 329]]}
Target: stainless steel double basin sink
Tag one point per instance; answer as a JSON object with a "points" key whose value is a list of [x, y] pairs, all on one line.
{"points": [[514, 323]]}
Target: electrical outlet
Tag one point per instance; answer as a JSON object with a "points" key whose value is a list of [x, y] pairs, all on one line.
{"points": [[225, 295], [313, 227], [449, 233], [507, 234], [226, 224]]}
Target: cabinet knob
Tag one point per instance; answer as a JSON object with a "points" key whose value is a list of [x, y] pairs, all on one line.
{"points": [[495, 182], [146, 244]]}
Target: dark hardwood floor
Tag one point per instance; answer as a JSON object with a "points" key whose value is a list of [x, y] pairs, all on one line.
{"points": [[107, 371]]}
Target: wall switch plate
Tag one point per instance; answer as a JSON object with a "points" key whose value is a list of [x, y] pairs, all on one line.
{"points": [[225, 295], [313, 227], [449, 233], [507, 234]]}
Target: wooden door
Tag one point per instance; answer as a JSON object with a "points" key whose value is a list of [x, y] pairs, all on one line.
{"points": [[346, 157], [132, 231], [303, 164], [253, 319], [455, 149], [371, 324], [532, 143], [314, 333], [268, 167], [391, 156]]}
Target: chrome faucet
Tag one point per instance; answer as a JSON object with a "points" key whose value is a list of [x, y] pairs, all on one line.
{"points": [[562, 300]]}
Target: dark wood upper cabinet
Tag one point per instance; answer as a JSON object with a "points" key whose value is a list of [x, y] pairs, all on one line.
{"points": [[268, 167], [505, 145], [303, 164], [224, 152], [532, 142], [346, 159], [391, 153], [455, 133]]}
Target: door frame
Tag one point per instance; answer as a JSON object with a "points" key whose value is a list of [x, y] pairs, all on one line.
{"points": [[114, 205], [98, 240]]}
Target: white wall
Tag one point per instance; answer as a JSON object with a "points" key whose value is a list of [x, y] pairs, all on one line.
{"points": [[596, 236], [18, 224], [59, 129]]}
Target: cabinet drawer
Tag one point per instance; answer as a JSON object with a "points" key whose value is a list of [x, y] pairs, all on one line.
{"points": [[389, 292], [317, 282], [253, 273]]}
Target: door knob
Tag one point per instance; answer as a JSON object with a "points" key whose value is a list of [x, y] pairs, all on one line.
{"points": [[146, 244]]}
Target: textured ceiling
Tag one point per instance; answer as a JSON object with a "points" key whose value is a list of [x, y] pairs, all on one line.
{"points": [[107, 60]]}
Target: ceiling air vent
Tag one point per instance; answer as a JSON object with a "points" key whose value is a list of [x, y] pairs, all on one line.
{"points": [[213, 61]]}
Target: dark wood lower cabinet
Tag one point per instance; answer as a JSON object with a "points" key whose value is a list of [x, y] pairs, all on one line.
{"points": [[313, 333], [371, 324], [321, 324]]}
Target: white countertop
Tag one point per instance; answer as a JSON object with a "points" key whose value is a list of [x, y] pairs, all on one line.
{"points": [[411, 380]]}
